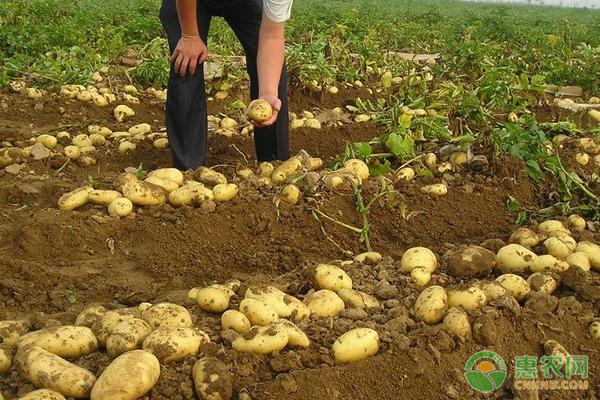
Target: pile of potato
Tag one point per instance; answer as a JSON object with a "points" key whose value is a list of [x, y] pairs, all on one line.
{"points": [[159, 187]]}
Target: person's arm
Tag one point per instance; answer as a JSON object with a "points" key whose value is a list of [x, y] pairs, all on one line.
{"points": [[190, 50]]}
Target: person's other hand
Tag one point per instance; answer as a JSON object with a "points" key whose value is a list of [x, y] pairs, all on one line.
{"points": [[275, 107], [190, 52]]}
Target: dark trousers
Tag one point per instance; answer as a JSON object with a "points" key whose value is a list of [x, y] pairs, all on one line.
{"points": [[186, 100]]}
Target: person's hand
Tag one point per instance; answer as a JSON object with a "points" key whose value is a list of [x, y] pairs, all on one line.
{"points": [[190, 52], [275, 107]]}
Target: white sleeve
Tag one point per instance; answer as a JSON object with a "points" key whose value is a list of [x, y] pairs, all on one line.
{"points": [[277, 10]]}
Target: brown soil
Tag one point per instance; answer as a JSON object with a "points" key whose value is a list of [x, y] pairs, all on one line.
{"points": [[56, 262]]}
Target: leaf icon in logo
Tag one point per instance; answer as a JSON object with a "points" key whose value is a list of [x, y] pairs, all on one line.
{"points": [[480, 381]]}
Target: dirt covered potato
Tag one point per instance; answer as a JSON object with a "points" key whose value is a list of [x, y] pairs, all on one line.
{"points": [[103, 197], [594, 330], [358, 169], [171, 174], [210, 177], [64, 341], [547, 262], [542, 282], [212, 379], [261, 340], [108, 321], [5, 361], [128, 335], [122, 111], [332, 278], [290, 194], [129, 377], [514, 285], [437, 189], [280, 301], [356, 345], [325, 303], [457, 322], [369, 257], [471, 261], [258, 312], [74, 199], [525, 237], [170, 344], [42, 394], [418, 257], [297, 337], [492, 289], [356, 299], [233, 319], [49, 371], [514, 257], [212, 299], [143, 193], [259, 111], [431, 305], [167, 315], [286, 170], [120, 207], [552, 228], [167, 185], [12, 330]]}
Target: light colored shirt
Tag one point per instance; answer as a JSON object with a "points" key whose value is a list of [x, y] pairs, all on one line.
{"points": [[277, 10]]}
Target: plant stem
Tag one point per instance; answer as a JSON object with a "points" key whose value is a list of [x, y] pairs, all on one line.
{"points": [[352, 228]]}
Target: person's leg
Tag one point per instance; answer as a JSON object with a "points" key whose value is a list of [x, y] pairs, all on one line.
{"points": [[185, 113], [272, 143]]}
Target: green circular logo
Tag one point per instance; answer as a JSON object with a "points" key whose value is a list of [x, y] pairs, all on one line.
{"points": [[485, 371]]}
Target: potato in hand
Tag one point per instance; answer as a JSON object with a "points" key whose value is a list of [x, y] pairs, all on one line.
{"points": [[259, 111]]}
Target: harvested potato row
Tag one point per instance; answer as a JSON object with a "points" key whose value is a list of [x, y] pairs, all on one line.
{"points": [[64, 341]]}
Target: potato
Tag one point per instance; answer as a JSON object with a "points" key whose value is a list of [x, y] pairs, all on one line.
{"points": [[297, 123], [438, 189], [163, 315], [420, 276], [212, 379], [542, 282], [418, 257], [228, 123], [233, 319], [174, 343], [332, 278], [108, 321], [560, 246], [225, 192], [128, 335], [167, 185], [120, 136], [85, 95], [120, 207], [357, 168], [356, 345], [265, 169], [97, 140], [593, 252], [210, 177], [458, 158], [12, 330], [33, 93], [161, 143], [588, 145], [312, 163], [514, 257], [356, 299], [144, 193], [5, 361], [297, 337], [325, 303], [514, 285], [90, 315], [87, 150], [138, 129], [333, 181], [549, 263], [360, 118], [122, 111], [49, 371], [129, 377], [63, 136], [552, 228], [431, 305], [286, 170], [46, 140], [445, 167], [261, 340], [103, 197], [468, 299], [369, 257], [493, 290], [594, 330], [579, 259], [213, 299], [64, 341], [430, 160], [405, 174], [300, 311], [525, 237], [259, 111], [42, 394], [277, 299], [457, 323], [82, 140], [258, 312], [290, 194], [74, 199]]}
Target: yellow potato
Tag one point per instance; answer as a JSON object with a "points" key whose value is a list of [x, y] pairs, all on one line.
{"points": [[212, 379], [225, 192], [552, 228], [444, 167], [85, 95], [593, 252], [128, 335], [74, 199], [438, 189], [468, 299], [122, 111], [87, 150], [275, 298], [356, 299], [297, 337], [138, 129], [357, 168], [356, 345], [161, 143], [5, 361], [46, 140], [290, 194], [167, 185], [108, 321], [120, 207], [549, 263], [360, 118], [325, 303], [418, 257], [228, 123], [259, 111], [258, 312], [210, 177], [542, 282], [90, 315], [97, 140], [286, 170], [457, 322], [143, 193], [560, 246], [261, 340], [213, 299], [312, 163], [514, 285], [265, 169], [332, 278], [493, 290], [431, 305], [130, 376], [42, 394], [299, 310], [430, 160], [233, 319], [312, 123], [525, 237], [369, 257], [458, 158], [579, 259], [82, 140], [420, 276], [163, 315], [103, 197], [49, 371], [171, 344], [405, 174], [594, 330], [514, 257], [64, 341]]}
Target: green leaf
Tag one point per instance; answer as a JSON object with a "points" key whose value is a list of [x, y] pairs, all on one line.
{"points": [[380, 169], [363, 150], [140, 171], [512, 204], [238, 105], [71, 297], [521, 217], [399, 145], [426, 172], [534, 170]]}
